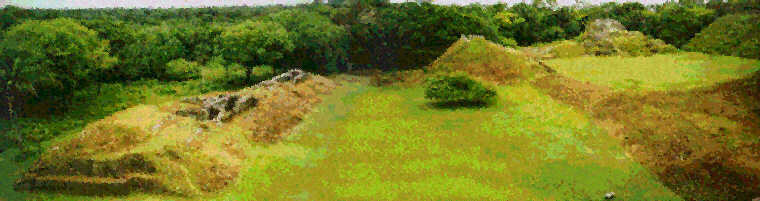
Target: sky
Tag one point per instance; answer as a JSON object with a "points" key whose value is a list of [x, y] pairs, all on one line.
{"points": [[205, 3]]}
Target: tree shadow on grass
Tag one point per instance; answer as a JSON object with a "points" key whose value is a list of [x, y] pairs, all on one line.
{"points": [[458, 105]]}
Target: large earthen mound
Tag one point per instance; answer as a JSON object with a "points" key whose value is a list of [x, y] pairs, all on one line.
{"points": [[481, 58], [703, 143], [186, 147], [735, 35]]}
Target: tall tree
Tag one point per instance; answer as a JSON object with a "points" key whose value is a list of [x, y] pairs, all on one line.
{"points": [[46, 60], [254, 43]]}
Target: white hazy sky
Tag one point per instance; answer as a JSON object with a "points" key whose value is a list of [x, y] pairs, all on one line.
{"points": [[204, 3]]}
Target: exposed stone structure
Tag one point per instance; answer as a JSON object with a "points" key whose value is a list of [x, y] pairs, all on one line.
{"points": [[609, 37], [151, 149], [223, 107], [292, 76]]}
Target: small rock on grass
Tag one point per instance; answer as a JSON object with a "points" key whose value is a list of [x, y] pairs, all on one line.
{"points": [[609, 195]]}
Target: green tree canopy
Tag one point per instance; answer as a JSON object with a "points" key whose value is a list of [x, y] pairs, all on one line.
{"points": [[153, 47], [319, 44], [253, 43], [51, 57]]}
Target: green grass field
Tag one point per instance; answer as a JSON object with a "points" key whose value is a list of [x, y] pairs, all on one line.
{"points": [[388, 143], [395, 147], [656, 73]]}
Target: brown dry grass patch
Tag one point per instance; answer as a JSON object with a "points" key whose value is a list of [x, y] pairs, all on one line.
{"points": [[282, 107], [704, 143]]}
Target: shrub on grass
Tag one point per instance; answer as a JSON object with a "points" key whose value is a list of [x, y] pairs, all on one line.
{"points": [[637, 44], [458, 89], [180, 69], [507, 42]]}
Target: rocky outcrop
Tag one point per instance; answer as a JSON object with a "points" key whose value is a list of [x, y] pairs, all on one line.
{"points": [[223, 107], [293, 76], [217, 108], [602, 29], [609, 37], [599, 34]]}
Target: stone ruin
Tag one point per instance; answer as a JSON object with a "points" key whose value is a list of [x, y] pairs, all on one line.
{"points": [[601, 29], [217, 108], [599, 33], [224, 106], [609, 37], [292, 76], [127, 152]]}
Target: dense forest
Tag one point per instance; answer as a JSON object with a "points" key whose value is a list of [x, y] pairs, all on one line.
{"points": [[48, 55]]}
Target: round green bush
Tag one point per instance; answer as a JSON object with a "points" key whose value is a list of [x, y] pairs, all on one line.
{"points": [[459, 89], [180, 69]]}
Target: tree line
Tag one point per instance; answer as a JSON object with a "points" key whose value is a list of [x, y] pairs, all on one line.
{"points": [[48, 53]]}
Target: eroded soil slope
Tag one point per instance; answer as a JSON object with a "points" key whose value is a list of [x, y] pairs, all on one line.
{"points": [[702, 142]]}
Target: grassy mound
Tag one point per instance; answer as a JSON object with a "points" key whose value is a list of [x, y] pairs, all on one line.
{"points": [[150, 148], [483, 59], [701, 140], [735, 35]]}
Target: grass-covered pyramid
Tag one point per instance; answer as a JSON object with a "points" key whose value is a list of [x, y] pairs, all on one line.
{"points": [[186, 147], [734, 35], [485, 60]]}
